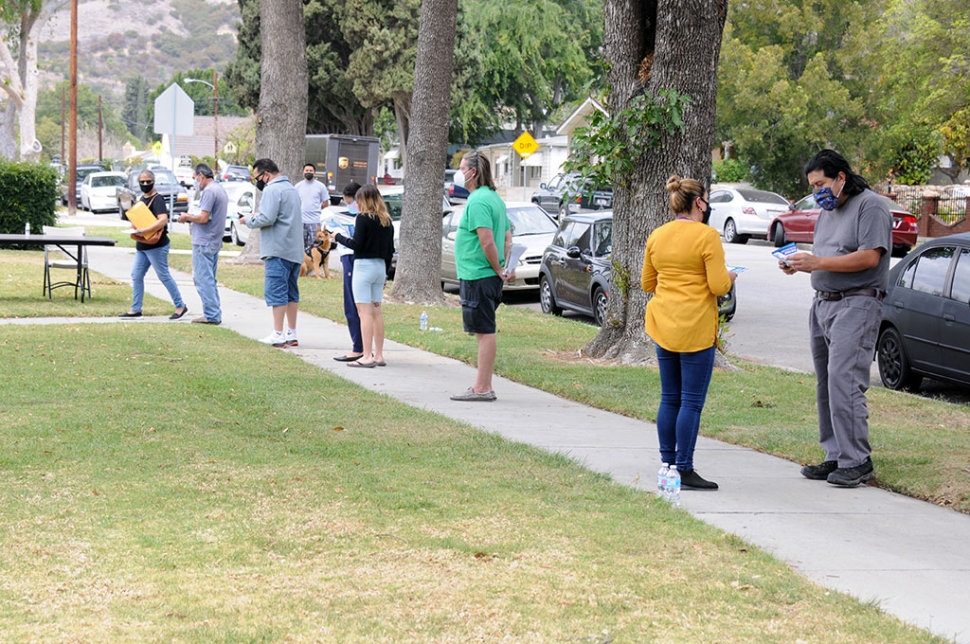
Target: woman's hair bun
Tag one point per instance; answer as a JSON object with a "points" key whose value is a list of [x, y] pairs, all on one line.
{"points": [[673, 183]]}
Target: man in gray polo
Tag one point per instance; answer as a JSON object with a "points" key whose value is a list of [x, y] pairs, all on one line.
{"points": [[850, 274], [208, 228]]}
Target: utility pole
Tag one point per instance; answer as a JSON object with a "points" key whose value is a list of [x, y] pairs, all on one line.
{"points": [[63, 122], [100, 130], [215, 112], [72, 163]]}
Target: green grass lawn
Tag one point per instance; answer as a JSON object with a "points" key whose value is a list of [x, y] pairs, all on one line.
{"points": [[920, 446], [155, 487]]}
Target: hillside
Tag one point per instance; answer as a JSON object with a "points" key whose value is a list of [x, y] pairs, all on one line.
{"points": [[152, 38]]}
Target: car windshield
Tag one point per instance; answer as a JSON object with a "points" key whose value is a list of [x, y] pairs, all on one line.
{"points": [[394, 205], [81, 173], [164, 177], [530, 221], [760, 196], [107, 182]]}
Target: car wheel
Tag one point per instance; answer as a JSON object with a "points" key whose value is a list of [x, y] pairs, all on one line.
{"points": [[121, 212], [563, 211], [730, 232], [779, 236], [900, 251], [894, 370], [234, 235], [547, 300], [600, 302]]}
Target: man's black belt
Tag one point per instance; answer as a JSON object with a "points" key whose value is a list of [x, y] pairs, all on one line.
{"points": [[832, 296]]}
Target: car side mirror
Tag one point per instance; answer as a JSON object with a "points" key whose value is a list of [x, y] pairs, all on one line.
{"points": [[573, 252], [542, 186], [791, 207], [245, 211]]}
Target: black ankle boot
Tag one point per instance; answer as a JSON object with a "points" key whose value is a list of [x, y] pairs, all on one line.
{"points": [[691, 480]]}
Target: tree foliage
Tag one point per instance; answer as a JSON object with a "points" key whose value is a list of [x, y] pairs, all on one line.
{"points": [[783, 92], [532, 56]]}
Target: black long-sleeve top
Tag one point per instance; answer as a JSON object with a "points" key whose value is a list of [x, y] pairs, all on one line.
{"points": [[371, 240]]}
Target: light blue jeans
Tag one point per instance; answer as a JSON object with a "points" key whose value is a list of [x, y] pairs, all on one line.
{"points": [[157, 258], [205, 261]]}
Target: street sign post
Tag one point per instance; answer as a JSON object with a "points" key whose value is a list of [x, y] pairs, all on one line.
{"points": [[174, 115], [526, 146]]}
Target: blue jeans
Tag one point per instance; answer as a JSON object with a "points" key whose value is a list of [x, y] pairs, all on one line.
{"points": [[205, 261], [157, 258], [350, 307], [684, 378]]}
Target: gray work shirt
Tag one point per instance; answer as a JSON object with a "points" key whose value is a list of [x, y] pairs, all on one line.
{"points": [[863, 222], [215, 201]]}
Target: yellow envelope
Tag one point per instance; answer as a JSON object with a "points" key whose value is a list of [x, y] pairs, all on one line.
{"points": [[140, 215]]}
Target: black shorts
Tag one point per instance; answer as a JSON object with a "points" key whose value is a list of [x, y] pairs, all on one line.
{"points": [[479, 299]]}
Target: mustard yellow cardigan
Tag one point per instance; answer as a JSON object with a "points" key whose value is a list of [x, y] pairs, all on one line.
{"points": [[684, 268]]}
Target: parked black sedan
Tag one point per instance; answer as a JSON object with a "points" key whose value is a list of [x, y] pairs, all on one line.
{"points": [[925, 328], [576, 268]]}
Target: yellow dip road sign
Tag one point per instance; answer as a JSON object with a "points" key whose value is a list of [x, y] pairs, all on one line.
{"points": [[525, 145]]}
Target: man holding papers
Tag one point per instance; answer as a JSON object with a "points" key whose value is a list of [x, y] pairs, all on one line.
{"points": [[482, 246], [208, 226]]}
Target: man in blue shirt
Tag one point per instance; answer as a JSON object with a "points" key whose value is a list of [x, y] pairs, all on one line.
{"points": [[208, 227], [280, 247], [314, 196]]}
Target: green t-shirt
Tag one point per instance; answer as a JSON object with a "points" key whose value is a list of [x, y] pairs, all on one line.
{"points": [[484, 209]]}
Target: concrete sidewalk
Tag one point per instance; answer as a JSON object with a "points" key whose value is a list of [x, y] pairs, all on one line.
{"points": [[909, 557]]}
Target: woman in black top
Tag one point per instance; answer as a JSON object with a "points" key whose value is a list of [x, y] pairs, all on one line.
{"points": [[151, 249], [373, 246]]}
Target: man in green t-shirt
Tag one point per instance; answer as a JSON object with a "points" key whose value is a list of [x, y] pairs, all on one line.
{"points": [[482, 246]]}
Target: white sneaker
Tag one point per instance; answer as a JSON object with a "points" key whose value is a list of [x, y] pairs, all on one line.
{"points": [[289, 340], [276, 339]]}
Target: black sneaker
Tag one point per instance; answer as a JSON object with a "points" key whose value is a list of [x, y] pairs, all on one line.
{"points": [[852, 476], [691, 480], [821, 471]]}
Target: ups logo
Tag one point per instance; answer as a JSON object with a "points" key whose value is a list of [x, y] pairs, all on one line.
{"points": [[343, 163]]}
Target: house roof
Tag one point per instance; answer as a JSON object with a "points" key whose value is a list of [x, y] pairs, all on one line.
{"points": [[580, 115]]}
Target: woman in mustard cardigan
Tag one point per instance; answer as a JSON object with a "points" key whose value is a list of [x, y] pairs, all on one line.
{"points": [[684, 268]]}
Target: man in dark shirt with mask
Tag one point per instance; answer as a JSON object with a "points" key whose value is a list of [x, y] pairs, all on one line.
{"points": [[850, 274]]}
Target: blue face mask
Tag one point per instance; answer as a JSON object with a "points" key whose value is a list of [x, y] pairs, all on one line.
{"points": [[352, 208], [826, 199]]}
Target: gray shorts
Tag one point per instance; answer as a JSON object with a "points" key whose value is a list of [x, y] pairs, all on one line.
{"points": [[479, 300]]}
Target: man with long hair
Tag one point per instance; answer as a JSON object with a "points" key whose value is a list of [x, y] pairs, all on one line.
{"points": [[850, 273], [482, 246]]}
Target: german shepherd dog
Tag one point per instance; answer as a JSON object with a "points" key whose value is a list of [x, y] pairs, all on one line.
{"points": [[317, 257]]}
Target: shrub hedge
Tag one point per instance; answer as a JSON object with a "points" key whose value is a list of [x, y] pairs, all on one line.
{"points": [[28, 193]]}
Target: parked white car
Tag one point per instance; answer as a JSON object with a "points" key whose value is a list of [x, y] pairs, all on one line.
{"points": [[531, 227], [98, 191], [741, 213]]}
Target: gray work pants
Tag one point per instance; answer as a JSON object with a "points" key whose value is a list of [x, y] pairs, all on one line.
{"points": [[843, 337]]}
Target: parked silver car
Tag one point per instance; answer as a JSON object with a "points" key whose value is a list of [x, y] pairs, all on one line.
{"points": [[531, 227]]}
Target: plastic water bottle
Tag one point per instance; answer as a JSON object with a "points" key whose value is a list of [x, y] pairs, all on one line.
{"points": [[424, 321], [27, 228], [662, 481], [673, 486]]}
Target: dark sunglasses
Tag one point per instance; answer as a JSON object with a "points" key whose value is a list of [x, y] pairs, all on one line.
{"points": [[146, 183]]}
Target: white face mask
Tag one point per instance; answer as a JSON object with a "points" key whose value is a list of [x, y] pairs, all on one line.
{"points": [[459, 179]]}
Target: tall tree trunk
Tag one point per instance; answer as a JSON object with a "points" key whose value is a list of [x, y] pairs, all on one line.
{"points": [[19, 78], [419, 259], [8, 136], [654, 45], [402, 113], [282, 114]]}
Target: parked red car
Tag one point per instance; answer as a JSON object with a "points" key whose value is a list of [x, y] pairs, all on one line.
{"points": [[798, 225]]}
